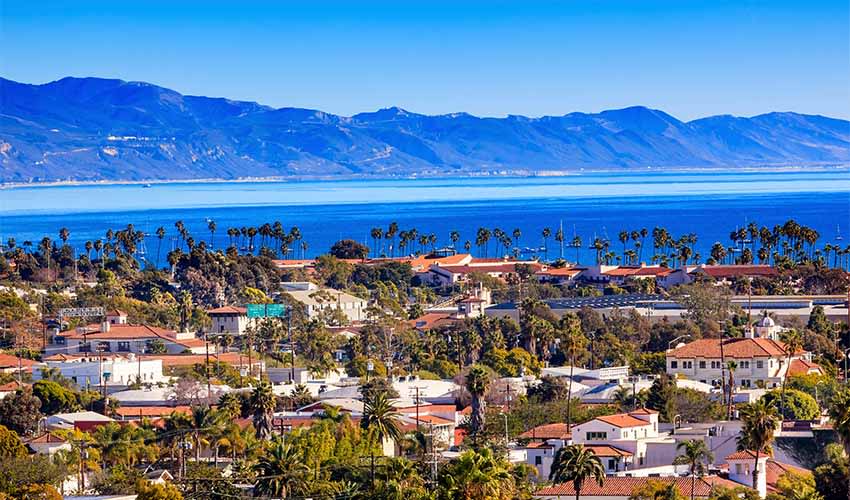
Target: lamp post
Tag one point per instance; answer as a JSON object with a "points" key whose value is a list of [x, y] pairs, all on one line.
{"points": [[675, 418]]}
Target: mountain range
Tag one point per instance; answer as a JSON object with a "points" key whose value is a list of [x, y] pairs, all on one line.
{"points": [[91, 129]]}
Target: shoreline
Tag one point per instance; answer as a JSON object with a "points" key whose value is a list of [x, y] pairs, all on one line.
{"points": [[479, 175]]}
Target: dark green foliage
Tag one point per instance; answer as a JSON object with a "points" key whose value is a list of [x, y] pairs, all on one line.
{"points": [[21, 411], [55, 398], [797, 405], [349, 249]]}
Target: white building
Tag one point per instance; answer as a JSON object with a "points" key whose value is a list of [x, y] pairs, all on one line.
{"points": [[116, 335], [761, 359], [627, 432], [113, 371], [318, 300], [229, 319]]}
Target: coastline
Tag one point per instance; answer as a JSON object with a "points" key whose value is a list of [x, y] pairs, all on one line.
{"points": [[484, 175]]}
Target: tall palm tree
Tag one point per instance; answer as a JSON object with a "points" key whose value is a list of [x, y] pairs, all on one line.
{"points": [[262, 404], [577, 464], [203, 422], [696, 455], [547, 232], [380, 417], [731, 366], [792, 342], [282, 472], [477, 383], [478, 475], [571, 334], [839, 414], [760, 421]]}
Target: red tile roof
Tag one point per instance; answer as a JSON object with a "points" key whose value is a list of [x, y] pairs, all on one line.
{"points": [[560, 271], [775, 470], [45, 438], [624, 486], [228, 310], [746, 455], [608, 451], [734, 271], [639, 271], [800, 366], [548, 431], [504, 268], [623, 420], [11, 386], [9, 361], [231, 358], [432, 320], [130, 332], [432, 419], [151, 411], [732, 348]]}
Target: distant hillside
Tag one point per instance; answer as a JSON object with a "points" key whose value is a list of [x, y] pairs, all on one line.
{"points": [[98, 129]]}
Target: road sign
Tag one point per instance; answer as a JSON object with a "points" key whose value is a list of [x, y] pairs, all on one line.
{"points": [[80, 312], [265, 310]]}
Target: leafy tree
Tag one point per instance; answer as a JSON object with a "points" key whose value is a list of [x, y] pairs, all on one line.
{"points": [[577, 464], [736, 493], [839, 414], [696, 455], [10, 444], [117, 480], [349, 249], [37, 469], [797, 404], [832, 478], [793, 486], [656, 490], [149, 491], [55, 398], [21, 411]]}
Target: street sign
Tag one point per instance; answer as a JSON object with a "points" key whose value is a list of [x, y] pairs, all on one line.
{"points": [[265, 310], [81, 312]]}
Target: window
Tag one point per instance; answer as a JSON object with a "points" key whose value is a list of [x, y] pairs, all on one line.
{"points": [[674, 364], [123, 346], [715, 365], [739, 469], [687, 365], [59, 340], [745, 365], [745, 383], [759, 364], [538, 460], [702, 365], [596, 436], [85, 347], [612, 464]]}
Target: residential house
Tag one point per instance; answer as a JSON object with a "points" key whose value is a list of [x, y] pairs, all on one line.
{"points": [[729, 273], [115, 371], [628, 432], [319, 300], [229, 319], [47, 443], [11, 364]]}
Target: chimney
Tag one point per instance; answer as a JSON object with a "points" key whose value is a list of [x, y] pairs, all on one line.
{"points": [[105, 326]]}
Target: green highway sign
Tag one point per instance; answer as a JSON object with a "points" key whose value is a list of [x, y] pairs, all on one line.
{"points": [[265, 310]]}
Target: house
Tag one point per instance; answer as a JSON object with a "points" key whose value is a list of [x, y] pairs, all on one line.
{"points": [[127, 413], [761, 361], [729, 273], [114, 371], [621, 488], [319, 300], [10, 388], [11, 364], [741, 465], [229, 319], [83, 420], [543, 442], [560, 276], [451, 274], [115, 334], [47, 443], [628, 432]]}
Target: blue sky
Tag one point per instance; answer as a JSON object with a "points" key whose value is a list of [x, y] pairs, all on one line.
{"points": [[689, 58]]}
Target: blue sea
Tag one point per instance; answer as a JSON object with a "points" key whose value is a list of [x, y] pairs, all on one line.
{"points": [[710, 204]]}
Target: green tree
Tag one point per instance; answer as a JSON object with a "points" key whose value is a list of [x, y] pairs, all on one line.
{"points": [[149, 491], [10, 444], [21, 411], [797, 405], [696, 455], [477, 475], [656, 490], [792, 342], [262, 404], [55, 398], [381, 418], [282, 471], [477, 382], [839, 414], [760, 422], [349, 249], [577, 464]]}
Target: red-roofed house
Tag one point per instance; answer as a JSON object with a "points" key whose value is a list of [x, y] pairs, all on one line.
{"points": [[229, 319], [445, 275], [727, 273], [116, 335], [621, 488], [627, 432], [11, 364], [741, 469]]}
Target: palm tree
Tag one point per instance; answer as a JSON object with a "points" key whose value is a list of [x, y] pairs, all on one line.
{"points": [[202, 423], [282, 472], [839, 414], [570, 327], [454, 236], [577, 464], [376, 233], [477, 383], [262, 404], [731, 366], [212, 226], [793, 342], [697, 456], [547, 232], [478, 475], [380, 417], [760, 421]]}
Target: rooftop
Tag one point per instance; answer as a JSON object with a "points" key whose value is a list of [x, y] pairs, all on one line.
{"points": [[732, 348], [624, 486]]}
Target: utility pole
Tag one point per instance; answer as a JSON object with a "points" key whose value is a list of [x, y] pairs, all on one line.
{"points": [[207, 365], [291, 346]]}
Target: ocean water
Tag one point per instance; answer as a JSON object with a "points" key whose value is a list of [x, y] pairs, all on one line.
{"points": [[710, 204]]}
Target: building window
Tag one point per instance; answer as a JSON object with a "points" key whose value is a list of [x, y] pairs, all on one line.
{"points": [[745, 383], [123, 346], [538, 460], [687, 365], [759, 364], [85, 347], [702, 365], [674, 364], [60, 340], [612, 464], [739, 469], [596, 436], [745, 365]]}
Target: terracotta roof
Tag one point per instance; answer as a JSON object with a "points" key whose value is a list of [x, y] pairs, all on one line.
{"points": [[623, 420], [151, 411], [538, 444], [643, 411], [507, 267], [548, 431], [800, 366], [432, 320], [560, 271], [11, 386], [9, 361], [228, 310], [733, 271], [608, 451], [746, 455], [231, 358], [639, 271], [624, 486], [44, 438], [130, 332], [423, 261], [472, 300], [775, 470], [432, 419], [732, 348]]}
